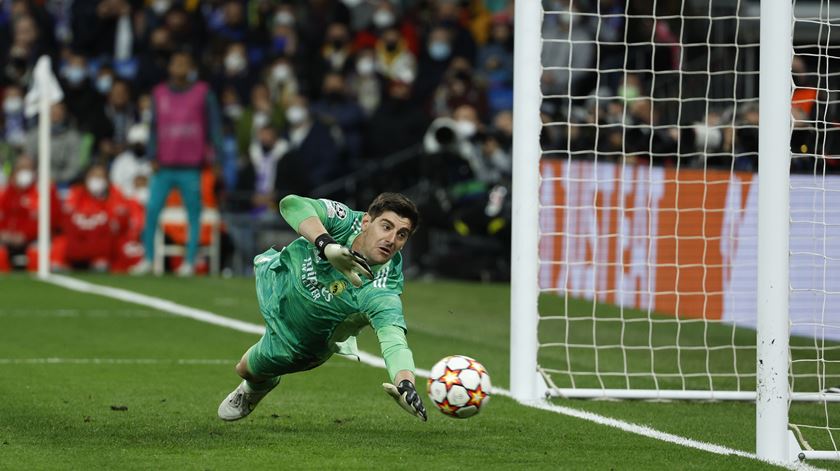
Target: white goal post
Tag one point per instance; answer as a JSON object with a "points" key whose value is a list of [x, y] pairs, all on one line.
{"points": [[655, 255]]}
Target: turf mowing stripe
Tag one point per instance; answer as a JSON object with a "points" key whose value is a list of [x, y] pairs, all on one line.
{"points": [[373, 360]]}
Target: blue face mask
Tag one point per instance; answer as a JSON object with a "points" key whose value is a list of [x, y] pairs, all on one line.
{"points": [[104, 83], [74, 74], [439, 51]]}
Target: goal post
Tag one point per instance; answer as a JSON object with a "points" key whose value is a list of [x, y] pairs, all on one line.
{"points": [[676, 209], [772, 333], [525, 201]]}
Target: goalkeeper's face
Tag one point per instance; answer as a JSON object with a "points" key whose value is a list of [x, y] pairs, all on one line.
{"points": [[383, 236]]}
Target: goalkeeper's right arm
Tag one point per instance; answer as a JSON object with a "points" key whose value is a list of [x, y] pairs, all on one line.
{"points": [[306, 216], [400, 365]]}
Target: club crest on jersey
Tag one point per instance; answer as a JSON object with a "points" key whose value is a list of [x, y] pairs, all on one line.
{"points": [[337, 287]]}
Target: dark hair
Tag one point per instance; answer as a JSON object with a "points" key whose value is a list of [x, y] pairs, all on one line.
{"points": [[399, 204]]}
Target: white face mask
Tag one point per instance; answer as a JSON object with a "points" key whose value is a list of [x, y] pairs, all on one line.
{"points": [[96, 185], [161, 6], [465, 128], [365, 66], [141, 195], [260, 120], [383, 18], [296, 114], [24, 178], [284, 18], [235, 62], [12, 104], [280, 72]]}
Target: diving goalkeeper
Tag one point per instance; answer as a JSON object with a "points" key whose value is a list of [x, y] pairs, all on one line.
{"points": [[314, 300]]}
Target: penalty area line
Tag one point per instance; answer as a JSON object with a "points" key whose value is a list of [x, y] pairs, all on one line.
{"points": [[376, 361]]}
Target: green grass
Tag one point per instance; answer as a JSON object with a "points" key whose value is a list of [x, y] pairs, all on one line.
{"points": [[59, 415]]}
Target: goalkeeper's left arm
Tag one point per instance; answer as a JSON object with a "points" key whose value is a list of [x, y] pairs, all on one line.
{"points": [[400, 365]]}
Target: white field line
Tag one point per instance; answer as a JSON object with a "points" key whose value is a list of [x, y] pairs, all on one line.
{"points": [[373, 360], [115, 361]]}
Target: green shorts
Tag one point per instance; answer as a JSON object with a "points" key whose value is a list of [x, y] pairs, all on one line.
{"points": [[269, 358]]}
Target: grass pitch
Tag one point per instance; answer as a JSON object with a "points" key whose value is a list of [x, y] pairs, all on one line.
{"points": [[91, 383]]}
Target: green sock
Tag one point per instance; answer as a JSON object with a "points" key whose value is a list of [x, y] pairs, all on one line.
{"points": [[264, 386]]}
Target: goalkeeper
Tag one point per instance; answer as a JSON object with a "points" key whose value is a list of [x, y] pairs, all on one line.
{"points": [[314, 300]]}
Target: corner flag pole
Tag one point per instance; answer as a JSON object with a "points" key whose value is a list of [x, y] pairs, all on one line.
{"points": [[44, 92]]}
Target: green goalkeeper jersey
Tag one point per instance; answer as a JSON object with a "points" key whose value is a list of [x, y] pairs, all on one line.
{"points": [[309, 307]]}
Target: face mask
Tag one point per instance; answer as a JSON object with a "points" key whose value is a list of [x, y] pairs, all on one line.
{"points": [[391, 46], [284, 18], [141, 195], [192, 76], [351, 3], [24, 178], [439, 50], [12, 104], [296, 114], [146, 116], [74, 74], [104, 83], [96, 185], [465, 128], [233, 111], [161, 6], [235, 62], [280, 72], [260, 120], [383, 19], [365, 66]]}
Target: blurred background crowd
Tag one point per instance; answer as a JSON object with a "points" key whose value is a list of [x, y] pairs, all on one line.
{"points": [[339, 99]]}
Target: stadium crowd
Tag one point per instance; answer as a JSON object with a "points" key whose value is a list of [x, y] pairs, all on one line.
{"points": [[324, 98]]}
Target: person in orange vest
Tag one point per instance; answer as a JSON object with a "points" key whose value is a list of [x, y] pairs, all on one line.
{"points": [[19, 216]]}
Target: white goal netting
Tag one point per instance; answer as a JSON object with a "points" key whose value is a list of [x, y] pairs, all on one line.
{"points": [[649, 202]]}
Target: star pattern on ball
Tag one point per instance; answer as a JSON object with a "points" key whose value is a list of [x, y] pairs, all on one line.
{"points": [[450, 378], [477, 366], [476, 397]]}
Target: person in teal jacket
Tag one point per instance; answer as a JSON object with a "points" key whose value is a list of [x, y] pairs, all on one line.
{"points": [[315, 302]]}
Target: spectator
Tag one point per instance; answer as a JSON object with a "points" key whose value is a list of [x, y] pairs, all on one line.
{"points": [[495, 65], [83, 102], [396, 125], [95, 217], [336, 108], [574, 53], [394, 60], [99, 28], [458, 88], [19, 216], [259, 186], [68, 155], [260, 113], [313, 153], [281, 80], [14, 123], [365, 83], [434, 61], [186, 119], [120, 111], [132, 161], [235, 71]]}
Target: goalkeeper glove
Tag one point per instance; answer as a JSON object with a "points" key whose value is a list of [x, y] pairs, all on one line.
{"points": [[349, 262], [407, 397]]}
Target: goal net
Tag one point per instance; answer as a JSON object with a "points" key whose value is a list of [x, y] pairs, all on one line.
{"points": [[648, 206]]}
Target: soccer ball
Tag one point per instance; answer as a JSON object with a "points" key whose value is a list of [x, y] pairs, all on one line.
{"points": [[459, 386]]}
